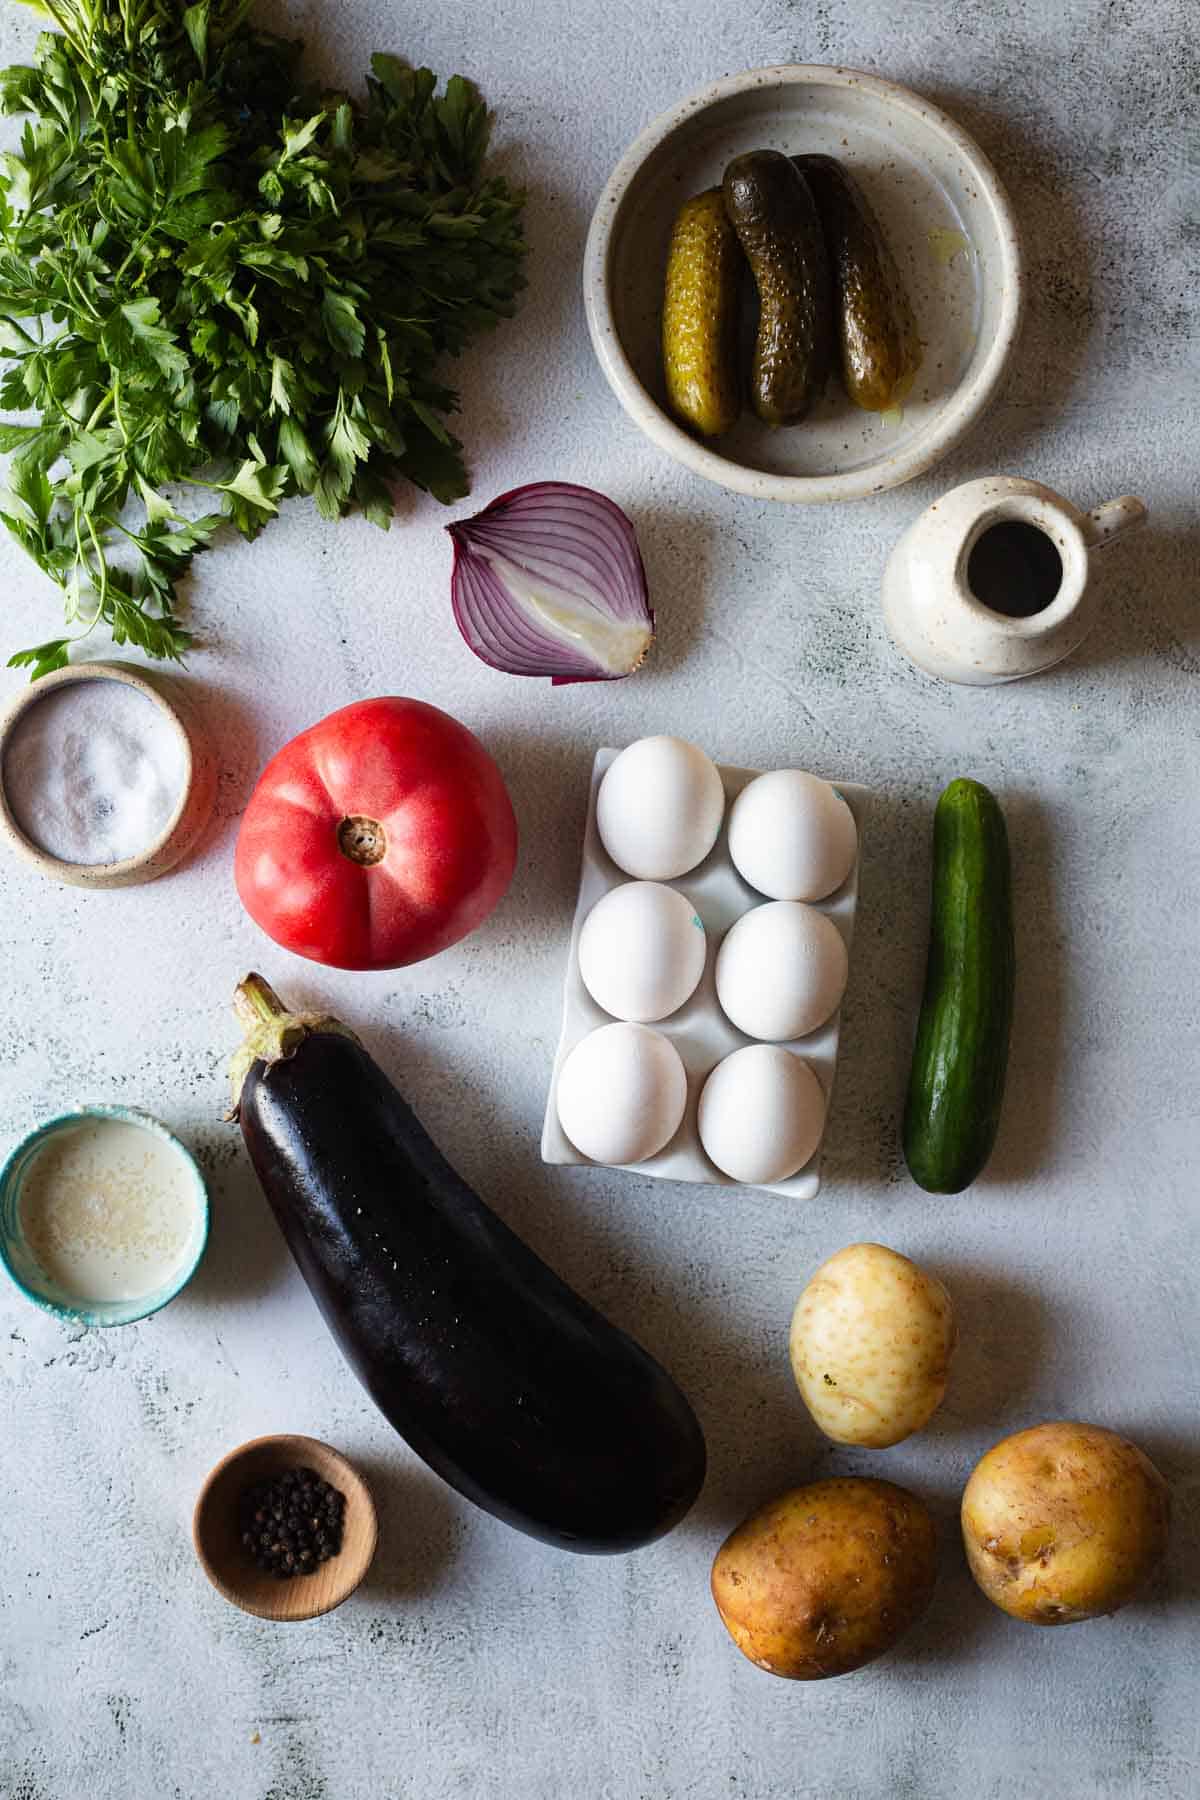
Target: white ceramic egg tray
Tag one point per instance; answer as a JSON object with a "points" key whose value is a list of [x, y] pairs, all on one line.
{"points": [[700, 1030]]}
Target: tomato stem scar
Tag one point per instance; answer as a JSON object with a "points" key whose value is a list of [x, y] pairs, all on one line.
{"points": [[364, 841]]}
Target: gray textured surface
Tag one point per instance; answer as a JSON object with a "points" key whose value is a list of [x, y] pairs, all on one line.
{"points": [[475, 1662]]}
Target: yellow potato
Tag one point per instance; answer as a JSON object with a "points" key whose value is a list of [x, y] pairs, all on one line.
{"points": [[871, 1341], [827, 1577], [1064, 1522]]}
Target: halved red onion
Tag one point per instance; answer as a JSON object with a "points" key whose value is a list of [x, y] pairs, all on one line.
{"points": [[548, 580]]}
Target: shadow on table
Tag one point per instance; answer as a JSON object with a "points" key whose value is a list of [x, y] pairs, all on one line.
{"points": [[420, 1528], [879, 1014], [235, 730], [533, 351], [232, 729], [959, 1618], [1058, 262], [1149, 610], [1028, 1122], [1176, 1586], [547, 770], [887, 966], [1005, 1331], [246, 1255], [678, 547]]}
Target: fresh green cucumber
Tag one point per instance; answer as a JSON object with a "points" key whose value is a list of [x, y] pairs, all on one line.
{"points": [[956, 1086]]}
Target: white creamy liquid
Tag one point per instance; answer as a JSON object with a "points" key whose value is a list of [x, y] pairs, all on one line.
{"points": [[93, 772], [107, 1209]]}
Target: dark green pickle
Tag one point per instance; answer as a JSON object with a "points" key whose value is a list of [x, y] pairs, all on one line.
{"points": [[879, 350], [771, 209]]}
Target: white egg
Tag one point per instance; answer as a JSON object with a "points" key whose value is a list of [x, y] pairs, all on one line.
{"points": [[621, 1093], [659, 808], [781, 970], [641, 951], [762, 1112], [792, 836]]}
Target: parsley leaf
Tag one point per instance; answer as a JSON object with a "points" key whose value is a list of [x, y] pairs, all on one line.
{"points": [[216, 280]]}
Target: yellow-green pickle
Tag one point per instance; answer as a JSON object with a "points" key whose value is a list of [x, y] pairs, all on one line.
{"points": [[699, 331], [878, 346]]}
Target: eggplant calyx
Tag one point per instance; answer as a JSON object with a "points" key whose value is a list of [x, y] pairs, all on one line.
{"points": [[272, 1033]]}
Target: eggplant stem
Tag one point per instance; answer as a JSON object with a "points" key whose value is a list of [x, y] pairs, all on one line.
{"points": [[256, 1003], [272, 1033]]}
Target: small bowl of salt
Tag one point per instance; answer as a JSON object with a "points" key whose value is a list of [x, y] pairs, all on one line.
{"points": [[106, 775]]}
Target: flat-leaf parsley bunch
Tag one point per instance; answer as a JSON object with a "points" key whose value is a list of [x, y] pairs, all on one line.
{"points": [[215, 281]]}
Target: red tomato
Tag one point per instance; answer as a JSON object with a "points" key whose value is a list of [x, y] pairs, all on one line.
{"points": [[379, 837]]}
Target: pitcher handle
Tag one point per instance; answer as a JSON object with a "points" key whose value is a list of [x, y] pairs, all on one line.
{"points": [[1104, 523]]}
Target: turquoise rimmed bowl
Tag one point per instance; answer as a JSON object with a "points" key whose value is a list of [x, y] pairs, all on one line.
{"points": [[21, 1263]]}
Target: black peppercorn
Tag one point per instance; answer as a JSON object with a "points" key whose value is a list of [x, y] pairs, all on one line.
{"points": [[291, 1523]]}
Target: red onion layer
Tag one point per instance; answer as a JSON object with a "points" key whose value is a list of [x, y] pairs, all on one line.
{"points": [[549, 580]]}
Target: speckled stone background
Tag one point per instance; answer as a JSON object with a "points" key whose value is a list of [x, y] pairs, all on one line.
{"points": [[475, 1662]]}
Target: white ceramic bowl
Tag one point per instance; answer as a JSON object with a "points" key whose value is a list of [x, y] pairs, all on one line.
{"points": [[942, 210], [18, 1257]]}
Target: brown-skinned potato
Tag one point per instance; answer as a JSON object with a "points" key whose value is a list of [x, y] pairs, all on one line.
{"points": [[827, 1577], [1064, 1522]]}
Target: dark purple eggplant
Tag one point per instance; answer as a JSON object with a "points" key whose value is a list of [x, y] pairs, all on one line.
{"points": [[510, 1385]]}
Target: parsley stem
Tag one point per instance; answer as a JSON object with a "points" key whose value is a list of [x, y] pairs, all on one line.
{"points": [[103, 561], [80, 560], [151, 228], [76, 293], [116, 400], [89, 625], [99, 410]]}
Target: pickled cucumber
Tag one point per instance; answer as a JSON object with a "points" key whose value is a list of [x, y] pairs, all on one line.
{"points": [[878, 347], [775, 217], [700, 313]]}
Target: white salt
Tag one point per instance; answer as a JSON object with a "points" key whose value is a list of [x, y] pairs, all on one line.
{"points": [[93, 772]]}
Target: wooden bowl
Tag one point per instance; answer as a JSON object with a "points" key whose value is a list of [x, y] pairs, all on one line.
{"points": [[173, 700], [216, 1532]]}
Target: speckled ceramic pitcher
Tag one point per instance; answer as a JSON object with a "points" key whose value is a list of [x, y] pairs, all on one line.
{"points": [[992, 581]]}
